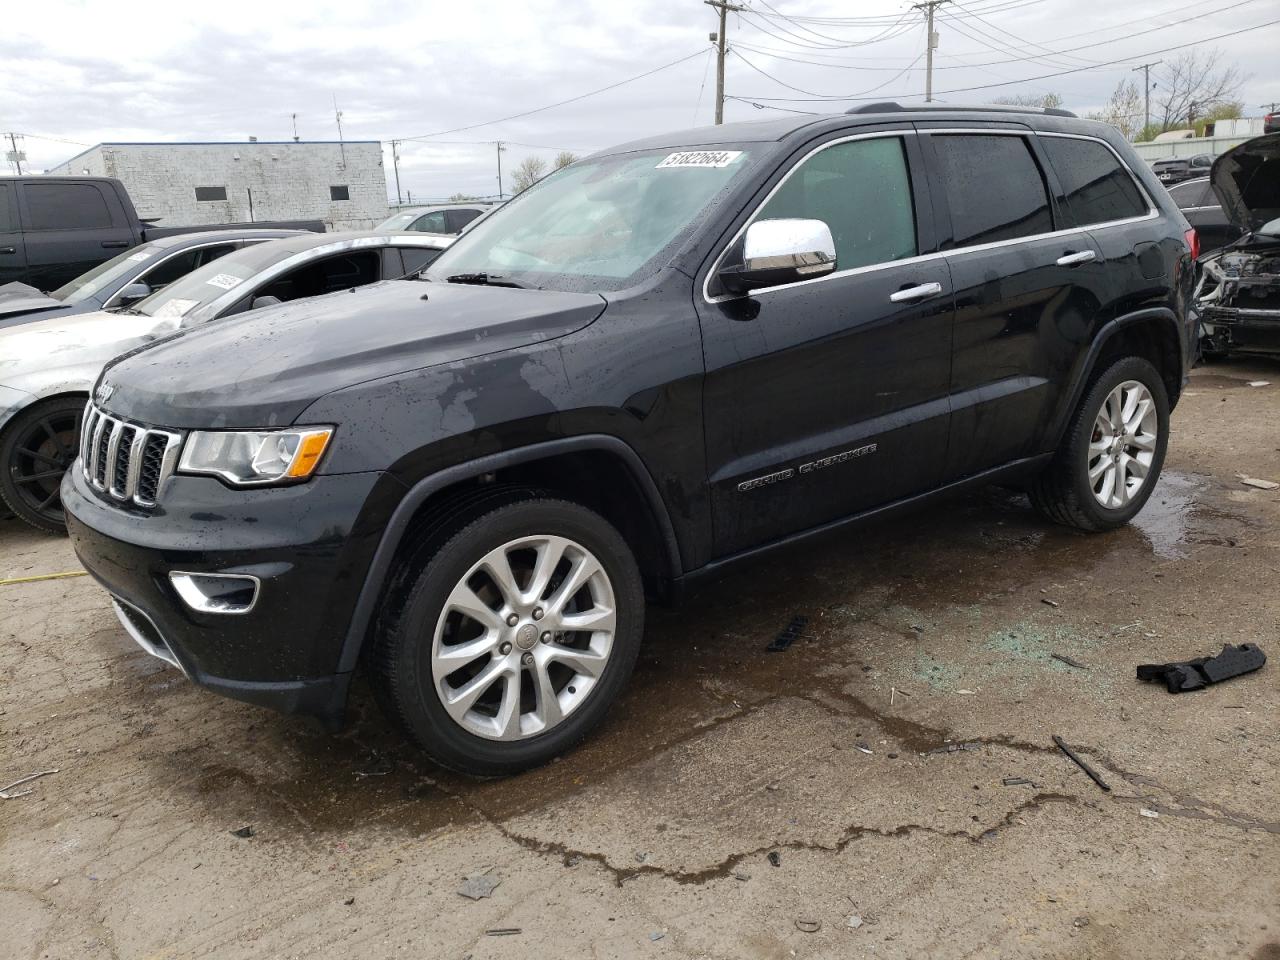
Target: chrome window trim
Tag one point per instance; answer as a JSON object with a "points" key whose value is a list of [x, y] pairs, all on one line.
{"points": [[1152, 211]]}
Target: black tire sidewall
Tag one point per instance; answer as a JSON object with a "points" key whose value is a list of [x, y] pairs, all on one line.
{"points": [[420, 707], [1130, 368], [14, 429]]}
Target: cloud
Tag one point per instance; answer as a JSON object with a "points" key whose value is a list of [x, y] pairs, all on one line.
{"points": [[87, 72]]}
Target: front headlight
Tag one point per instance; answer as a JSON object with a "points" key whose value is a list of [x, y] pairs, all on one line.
{"points": [[255, 457]]}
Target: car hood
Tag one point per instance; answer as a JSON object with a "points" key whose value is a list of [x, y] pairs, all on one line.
{"points": [[1246, 180], [19, 298], [64, 350], [265, 368]]}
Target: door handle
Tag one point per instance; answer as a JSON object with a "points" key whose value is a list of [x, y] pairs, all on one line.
{"points": [[1070, 259], [922, 291], [114, 244], [8, 249]]}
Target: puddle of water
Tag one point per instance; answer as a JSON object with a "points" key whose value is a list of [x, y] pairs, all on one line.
{"points": [[1166, 518]]}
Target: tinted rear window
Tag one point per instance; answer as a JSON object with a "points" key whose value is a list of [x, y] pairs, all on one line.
{"points": [[993, 187], [1097, 187], [63, 206]]}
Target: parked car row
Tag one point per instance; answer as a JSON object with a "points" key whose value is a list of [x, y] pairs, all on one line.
{"points": [[654, 363], [445, 219], [49, 361]]}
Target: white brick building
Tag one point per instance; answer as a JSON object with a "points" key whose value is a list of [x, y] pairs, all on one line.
{"points": [[178, 184]]}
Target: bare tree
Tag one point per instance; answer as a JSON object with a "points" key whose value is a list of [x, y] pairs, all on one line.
{"points": [[461, 197], [1124, 110], [530, 171], [1189, 86], [1045, 100], [564, 158]]}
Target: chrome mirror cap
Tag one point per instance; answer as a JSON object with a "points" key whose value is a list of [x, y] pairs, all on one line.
{"points": [[781, 251]]}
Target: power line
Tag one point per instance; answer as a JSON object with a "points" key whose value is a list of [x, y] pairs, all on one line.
{"points": [[994, 7], [559, 103], [1015, 37], [1046, 76], [819, 96]]}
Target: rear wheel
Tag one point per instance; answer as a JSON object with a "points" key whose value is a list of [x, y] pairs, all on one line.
{"points": [[511, 636], [1112, 453], [36, 448]]}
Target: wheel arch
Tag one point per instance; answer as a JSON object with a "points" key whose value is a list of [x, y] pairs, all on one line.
{"points": [[1152, 334], [541, 466]]}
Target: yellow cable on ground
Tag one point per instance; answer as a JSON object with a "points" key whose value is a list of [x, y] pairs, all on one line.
{"points": [[44, 576]]}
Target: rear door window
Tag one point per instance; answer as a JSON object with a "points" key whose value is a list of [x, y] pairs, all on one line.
{"points": [[861, 189], [433, 222], [1188, 196], [457, 219], [1097, 187], [179, 265], [993, 187], [418, 258], [66, 206]]}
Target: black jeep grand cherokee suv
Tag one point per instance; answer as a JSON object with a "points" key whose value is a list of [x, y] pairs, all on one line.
{"points": [[661, 359]]}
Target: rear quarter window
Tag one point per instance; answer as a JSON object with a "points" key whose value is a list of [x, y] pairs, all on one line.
{"points": [[1096, 186]]}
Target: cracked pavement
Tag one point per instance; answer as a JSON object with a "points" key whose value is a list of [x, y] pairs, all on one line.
{"points": [[868, 760]]}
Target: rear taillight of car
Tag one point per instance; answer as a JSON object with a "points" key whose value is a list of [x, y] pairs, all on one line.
{"points": [[1193, 243]]}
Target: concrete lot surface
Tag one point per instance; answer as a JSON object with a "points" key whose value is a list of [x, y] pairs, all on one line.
{"points": [[736, 803]]}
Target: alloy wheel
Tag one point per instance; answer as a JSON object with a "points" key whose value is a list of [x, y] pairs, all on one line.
{"points": [[44, 452], [523, 638], [1123, 444]]}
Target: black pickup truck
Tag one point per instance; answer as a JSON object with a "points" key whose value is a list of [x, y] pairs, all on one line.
{"points": [[53, 229]]}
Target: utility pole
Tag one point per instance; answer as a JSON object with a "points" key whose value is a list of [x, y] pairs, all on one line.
{"points": [[395, 162], [341, 144], [1270, 107], [931, 44], [500, 149], [1146, 90], [16, 155], [723, 7], [295, 127]]}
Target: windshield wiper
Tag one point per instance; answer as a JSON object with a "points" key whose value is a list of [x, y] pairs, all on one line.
{"points": [[486, 280]]}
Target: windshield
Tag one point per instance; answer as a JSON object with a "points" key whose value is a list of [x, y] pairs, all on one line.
{"points": [[208, 283], [106, 274], [399, 223], [596, 225]]}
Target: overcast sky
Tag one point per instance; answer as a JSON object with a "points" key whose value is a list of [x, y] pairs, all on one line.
{"points": [[83, 73]]}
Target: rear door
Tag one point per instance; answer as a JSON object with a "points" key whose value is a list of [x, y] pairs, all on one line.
{"points": [[827, 397], [70, 227], [1025, 293], [13, 254]]}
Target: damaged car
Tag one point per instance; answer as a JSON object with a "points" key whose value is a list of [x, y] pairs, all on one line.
{"points": [[132, 276], [48, 366], [1238, 292]]}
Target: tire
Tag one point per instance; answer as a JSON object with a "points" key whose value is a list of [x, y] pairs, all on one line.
{"points": [[36, 447], [536, 695], [1064, 492]]}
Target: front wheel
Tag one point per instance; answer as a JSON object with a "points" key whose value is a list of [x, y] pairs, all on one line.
{"points": [[36, 448], [511, 638], [1111, 455]]}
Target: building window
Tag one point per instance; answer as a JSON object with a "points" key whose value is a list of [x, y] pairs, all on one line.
{"points": [[339, 193], [211, 193]]}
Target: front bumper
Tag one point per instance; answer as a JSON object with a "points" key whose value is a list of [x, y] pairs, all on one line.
{"points": [[1232, 330], [308, 547]]}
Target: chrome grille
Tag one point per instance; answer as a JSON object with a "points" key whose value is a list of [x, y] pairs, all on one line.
{"points": [[124, 460]]}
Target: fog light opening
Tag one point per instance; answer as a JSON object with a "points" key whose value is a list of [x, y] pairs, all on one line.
{"points": [[229, 593]]}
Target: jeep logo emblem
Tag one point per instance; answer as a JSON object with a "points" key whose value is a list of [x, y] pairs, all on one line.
{"points": [[104, 392]]}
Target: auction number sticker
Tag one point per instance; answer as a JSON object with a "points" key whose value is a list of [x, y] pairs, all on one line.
{"points": [[700, 158], [224, 280]]}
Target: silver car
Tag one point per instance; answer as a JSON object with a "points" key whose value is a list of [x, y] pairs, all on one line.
{"points": [[47, 367]]}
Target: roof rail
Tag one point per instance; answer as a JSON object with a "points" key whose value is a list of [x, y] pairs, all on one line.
{"points": [[892, 106]]}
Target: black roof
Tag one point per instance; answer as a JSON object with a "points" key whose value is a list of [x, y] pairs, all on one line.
{"points": [[775, 129]]}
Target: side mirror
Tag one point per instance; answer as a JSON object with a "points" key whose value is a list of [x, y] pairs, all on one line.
{"points": [[132, 293], [781, 251], [267, 301]]}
